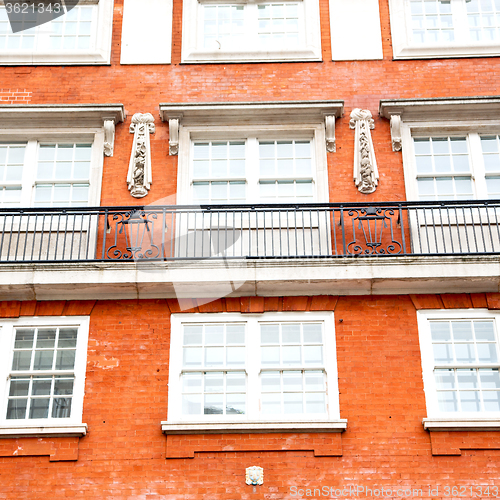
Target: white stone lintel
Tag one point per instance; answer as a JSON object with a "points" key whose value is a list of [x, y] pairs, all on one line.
{"points": [[445, 108], [60, 115], [231, 113]]}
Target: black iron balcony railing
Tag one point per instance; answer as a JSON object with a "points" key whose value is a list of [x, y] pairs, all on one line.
{"points": [[249, 231]]}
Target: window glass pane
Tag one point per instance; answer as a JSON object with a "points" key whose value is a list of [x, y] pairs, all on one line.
{"points": [[192, 356], [214, 334], [470, 401], [19, 387], [193, 335], [63, 386], [269, 334], [270, 382], [192, 382], [292, 402], [445, 379], [312, 334], [313, 355], [39, 408], [214, 382], [447, 401], [465, 353], [490, 378], [422, 145], [291, 355], [270, 355], [65, 360], [462, 331], [487, 353], [43, 360], [440, 331], [235, 382], [214, 404], [467, 379], [41, 386], [291, 333], [21, 360], [235, 355], [315, 403], [46, 338], [491, 400], [24, 338], [214, 356], [67, 337], [292, 381], [314, 380], [484, 331], [191, 404], [424, 164], [271, 405], [236, 404], [235, 334], [16, 409], [442, 353], [61, 407]]}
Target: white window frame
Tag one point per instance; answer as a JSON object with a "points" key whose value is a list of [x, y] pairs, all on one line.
{"points": [[192, 44], [254, 134], [49, 124], [252, 421], [29, 178], [476, 161], [459, 117], [442, 421], [71, 426], [100, 54], [404, 48]]}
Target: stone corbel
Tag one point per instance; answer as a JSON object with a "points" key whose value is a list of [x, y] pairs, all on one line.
{"points": [[139, 176], [396, 132], [365, 164], [173, 135], [330, 133], [109, 136]]}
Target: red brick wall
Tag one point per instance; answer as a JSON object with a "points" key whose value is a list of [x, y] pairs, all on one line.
{"points": [[381, 395], [17, 96]]}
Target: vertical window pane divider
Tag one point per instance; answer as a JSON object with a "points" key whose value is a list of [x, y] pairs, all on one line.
{"points": [[478, 170]]}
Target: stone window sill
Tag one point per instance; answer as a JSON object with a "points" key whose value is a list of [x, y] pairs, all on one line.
{"points": [[461, 424], [252, 427], [77, 430]]}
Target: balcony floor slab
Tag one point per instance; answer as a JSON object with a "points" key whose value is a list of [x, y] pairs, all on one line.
{"points": [[244, 277]]}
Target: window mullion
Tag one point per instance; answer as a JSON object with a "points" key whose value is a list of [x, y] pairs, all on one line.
{"points": [[461, 27], [252, 169], [29, 174], [253, 368], [251, 24], [477, 162]]}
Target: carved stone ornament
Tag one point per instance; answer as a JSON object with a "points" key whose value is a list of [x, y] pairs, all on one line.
{"points": [[109, 136], [330, 133], [396, 132], [139, 171], [365, 164], [254, 475], [173, 139]]}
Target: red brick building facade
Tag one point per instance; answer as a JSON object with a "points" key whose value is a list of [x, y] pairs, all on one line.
{"points": [[421, 314]]}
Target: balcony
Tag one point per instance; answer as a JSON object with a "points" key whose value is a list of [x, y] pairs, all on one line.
{"points": [[335, 248]]}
